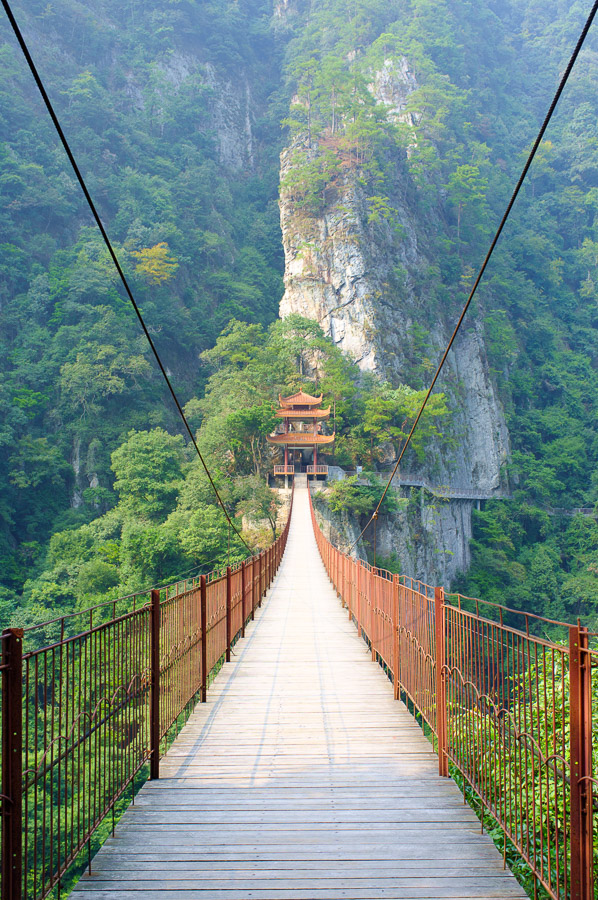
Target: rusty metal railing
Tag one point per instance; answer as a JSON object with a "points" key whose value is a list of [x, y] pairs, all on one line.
{"points": [[89, 702], [508, 698]]}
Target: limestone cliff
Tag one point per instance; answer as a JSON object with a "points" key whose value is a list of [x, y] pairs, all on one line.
{"points": [[232, 108], [367, 281], [430, 536]]}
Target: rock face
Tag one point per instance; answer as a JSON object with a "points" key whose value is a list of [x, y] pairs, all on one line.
{"points": [[364, 281], [341, 530], [232, 120], [430, 537], [232, 112]]}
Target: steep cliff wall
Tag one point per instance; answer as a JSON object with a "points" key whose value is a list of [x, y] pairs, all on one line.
{"points": [[429, 536], [369, 282]]}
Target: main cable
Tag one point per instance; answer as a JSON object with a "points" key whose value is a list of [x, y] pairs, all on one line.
{"points": [[91, 204], [506, 214]]}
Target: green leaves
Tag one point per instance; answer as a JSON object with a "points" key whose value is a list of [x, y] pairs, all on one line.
{"points": [[389, 415], [353, 496], [148, 471]]}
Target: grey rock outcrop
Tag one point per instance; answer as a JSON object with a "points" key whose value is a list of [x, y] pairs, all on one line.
{"points": [[232, 108], [366, 281], [232, 120]]}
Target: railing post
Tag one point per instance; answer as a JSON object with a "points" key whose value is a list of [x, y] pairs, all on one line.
{"points": [[155, 686], [203, 592], [253, 591], [358, 597], [12, 764], [228, 612], [266, 570], [441, 719], [260, 590], [395, 635], [580, 725], [373, 621], [243, 599]]}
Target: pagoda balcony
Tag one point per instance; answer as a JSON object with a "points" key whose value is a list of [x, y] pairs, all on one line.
{"points": [[284, 470], [317, 470], [300, 439]]}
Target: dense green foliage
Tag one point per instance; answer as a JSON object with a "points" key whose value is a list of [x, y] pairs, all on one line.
{"points": [[136, 87], [166, 521], [359, 497]]}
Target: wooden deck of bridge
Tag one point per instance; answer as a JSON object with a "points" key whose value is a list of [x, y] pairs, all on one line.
{"points": [[300, 777]]}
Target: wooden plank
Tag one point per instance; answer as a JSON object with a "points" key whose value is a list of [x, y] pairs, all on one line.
{"points": [[300, 777], [474, 886], [448, 891]]}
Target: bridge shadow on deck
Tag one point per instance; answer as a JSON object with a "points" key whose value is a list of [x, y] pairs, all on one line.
{"points": [[301, 777]]}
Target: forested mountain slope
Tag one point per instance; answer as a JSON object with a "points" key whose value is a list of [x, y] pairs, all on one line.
{"points": [[169, 112], [405, 125]]}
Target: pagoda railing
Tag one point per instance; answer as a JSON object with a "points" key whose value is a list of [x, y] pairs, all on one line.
{"points": [[284, 470], [509, 706], [91, 701], [317, 470]]}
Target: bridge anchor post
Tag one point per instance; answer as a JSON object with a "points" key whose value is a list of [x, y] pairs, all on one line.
{"points": [[203, 594], [243, 599], [155, 686], [441, 717], [580, 729], [228, 612], [395, 636], [12, 764]]}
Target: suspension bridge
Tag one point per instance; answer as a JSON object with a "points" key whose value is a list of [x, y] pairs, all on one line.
{"points": [[322, 726]]}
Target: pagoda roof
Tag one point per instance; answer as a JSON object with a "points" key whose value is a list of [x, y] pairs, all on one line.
{"points": [[300, 399]]}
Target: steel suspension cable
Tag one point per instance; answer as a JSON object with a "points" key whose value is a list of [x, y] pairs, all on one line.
{"points": [[111, 251], [480, 274]]}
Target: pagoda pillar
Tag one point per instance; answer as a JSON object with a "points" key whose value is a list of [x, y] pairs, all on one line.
{"points": [[286, 455]]}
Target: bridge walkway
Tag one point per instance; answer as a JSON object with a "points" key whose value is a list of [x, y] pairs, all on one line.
{"points": [[300, 777]]}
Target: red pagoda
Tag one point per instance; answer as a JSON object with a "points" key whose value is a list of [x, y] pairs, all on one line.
{"points": [[301, 433]]}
